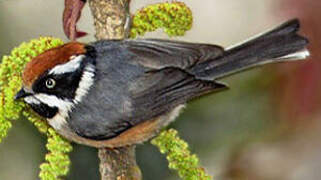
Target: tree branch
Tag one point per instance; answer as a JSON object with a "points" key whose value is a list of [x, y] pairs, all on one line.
{"points": [[119, 164], [112, 21], [111, 18]]}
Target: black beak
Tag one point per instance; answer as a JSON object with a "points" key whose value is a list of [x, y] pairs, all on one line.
{"points": [[21, 94]]}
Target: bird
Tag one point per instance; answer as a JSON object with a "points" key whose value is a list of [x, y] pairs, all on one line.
{"points": [[116, 93]]}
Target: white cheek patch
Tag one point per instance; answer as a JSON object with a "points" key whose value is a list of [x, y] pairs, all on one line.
{"points": [[70, 66], [53, 101], [31, 100], [86, 81]]}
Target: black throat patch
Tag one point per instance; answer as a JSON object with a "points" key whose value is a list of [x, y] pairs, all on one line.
{"points": [[44, 110]]}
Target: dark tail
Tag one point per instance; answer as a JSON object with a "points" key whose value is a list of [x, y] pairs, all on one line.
{"points": [[278, 45]]}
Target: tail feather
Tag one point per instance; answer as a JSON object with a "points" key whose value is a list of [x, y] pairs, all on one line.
{"points": [[278, 45]]}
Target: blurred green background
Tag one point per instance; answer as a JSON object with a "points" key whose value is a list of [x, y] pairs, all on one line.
{"points": [[243, 133]]}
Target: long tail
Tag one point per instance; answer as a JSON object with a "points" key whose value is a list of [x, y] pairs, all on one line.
{"points": [[278, 45]]}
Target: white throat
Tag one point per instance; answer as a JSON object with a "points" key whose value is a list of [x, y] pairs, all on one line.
{"points": [[64, 108]]}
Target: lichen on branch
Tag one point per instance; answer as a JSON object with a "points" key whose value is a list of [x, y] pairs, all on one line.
{"points": [[11, 67], [175, 18]]}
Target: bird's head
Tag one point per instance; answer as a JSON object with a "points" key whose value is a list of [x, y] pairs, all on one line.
{"points": [[56, 80]]}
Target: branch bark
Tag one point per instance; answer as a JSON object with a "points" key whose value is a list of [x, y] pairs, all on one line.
{"points": [[119, 164], [111, 18], [112, 21]]}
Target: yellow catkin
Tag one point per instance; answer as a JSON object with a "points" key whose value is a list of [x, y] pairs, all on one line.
{"points": [[179, 157], [175, 18], [57, 159]]}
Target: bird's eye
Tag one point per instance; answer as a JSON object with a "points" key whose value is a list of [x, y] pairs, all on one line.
{"points": [[50, 83]]}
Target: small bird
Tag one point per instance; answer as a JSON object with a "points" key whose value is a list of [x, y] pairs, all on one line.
{"points": [[114, 93]]}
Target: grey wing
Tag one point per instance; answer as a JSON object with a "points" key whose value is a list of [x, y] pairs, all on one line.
{"points": [[157, 54], [161, 91], [170, 81]]}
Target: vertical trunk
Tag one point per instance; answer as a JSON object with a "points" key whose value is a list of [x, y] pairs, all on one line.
{"points": [[112, 21]]}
